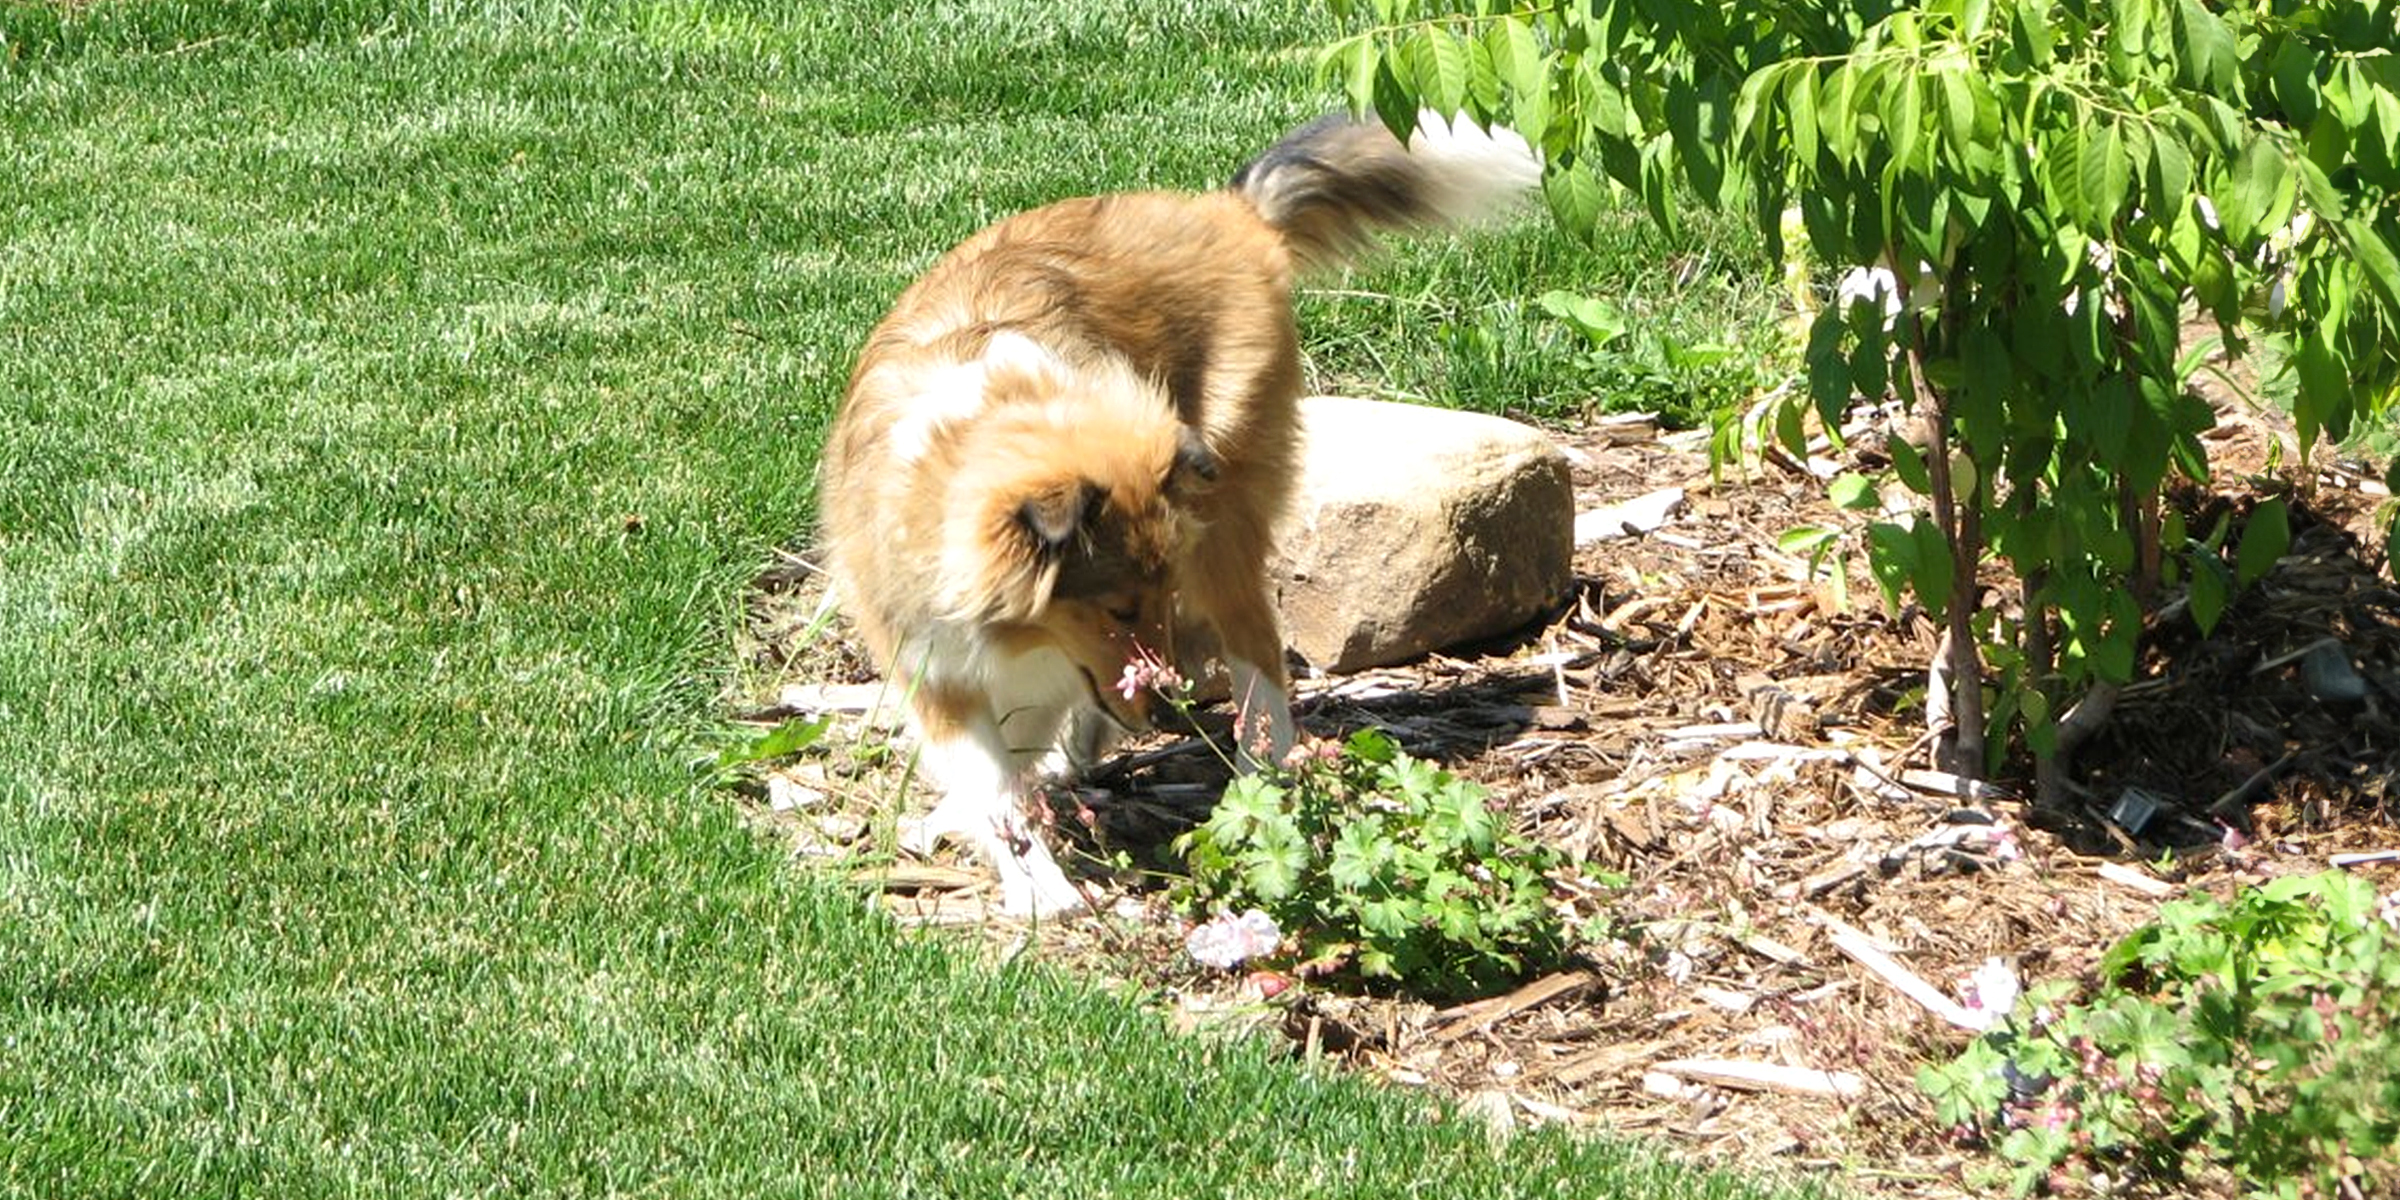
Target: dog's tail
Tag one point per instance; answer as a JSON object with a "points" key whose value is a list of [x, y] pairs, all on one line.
{"points": [[1330, 185]]}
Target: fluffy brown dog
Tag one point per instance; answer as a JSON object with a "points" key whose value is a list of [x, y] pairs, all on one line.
{"points": [[1063, 455]]}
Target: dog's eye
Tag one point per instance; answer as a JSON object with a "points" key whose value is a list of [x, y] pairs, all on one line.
{"points": [[1124, 614]]}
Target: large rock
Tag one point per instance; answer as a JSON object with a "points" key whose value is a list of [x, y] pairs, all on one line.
{"points": [[1419, 528]]}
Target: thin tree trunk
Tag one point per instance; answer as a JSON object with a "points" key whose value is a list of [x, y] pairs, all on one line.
{"points": [[1962, 526]]}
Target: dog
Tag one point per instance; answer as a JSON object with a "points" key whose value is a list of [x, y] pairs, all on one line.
{"points": [[1058, 468]]}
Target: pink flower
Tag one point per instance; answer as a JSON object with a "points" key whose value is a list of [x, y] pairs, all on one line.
{"points": [[1147, 670], [1225, 941]]}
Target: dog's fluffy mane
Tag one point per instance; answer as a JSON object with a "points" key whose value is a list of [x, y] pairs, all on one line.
{"points": [[1070, 474]]}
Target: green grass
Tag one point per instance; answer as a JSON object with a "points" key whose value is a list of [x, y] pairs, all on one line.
{"points": [[392, 408], [1459, 326]]}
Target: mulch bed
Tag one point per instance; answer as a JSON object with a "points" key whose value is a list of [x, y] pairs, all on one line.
{"points": [[1745, 746]]}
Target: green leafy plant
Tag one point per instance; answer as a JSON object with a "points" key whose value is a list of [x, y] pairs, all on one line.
{"points": [[2050, 185], [1380, 866], [2258, 1036], [787, 738]]}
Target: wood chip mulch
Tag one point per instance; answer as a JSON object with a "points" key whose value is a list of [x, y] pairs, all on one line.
{"points": [[1742, 741]]}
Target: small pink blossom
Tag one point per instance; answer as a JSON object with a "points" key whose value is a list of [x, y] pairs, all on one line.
{"points": [[1308, 749], [1147, 670], [1991, 992], [1225, 941]]}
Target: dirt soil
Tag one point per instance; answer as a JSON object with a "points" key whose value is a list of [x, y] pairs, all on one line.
{"points": [[1745, 744]]}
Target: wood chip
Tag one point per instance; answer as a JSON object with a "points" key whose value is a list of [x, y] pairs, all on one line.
{"points": [[1728, 729], [920, 877], [1625, 614], [877, 702], [1557, 1114], [1830, 878], [1604, 1062], [2128, 877], [2363, 859], [1634, 517], [1770, 949], [1483, 1014], [1725, 998], [1910, 984], [1767, 1077], [1943, 783]]}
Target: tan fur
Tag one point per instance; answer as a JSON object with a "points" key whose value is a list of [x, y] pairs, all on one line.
{"points": [[1159, 310], [1066, 449]]}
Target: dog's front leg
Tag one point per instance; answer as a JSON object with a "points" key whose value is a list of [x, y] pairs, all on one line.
{"points": [[983, 798], [1262, 716]]}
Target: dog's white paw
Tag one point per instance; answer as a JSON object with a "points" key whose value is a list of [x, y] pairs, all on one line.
{"points": [[1031, 883]]}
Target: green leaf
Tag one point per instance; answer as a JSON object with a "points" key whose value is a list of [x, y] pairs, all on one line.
{"points": [[2210, 59], [1575, 196], [1438, 63], [1392, 98], [2264, 541], [1351, 62], [1603, 105], [1597, 320], [1838, 113], [2375, 256], [2030, 35], [2106, 176], [2247, 206], [789, 738], [1904, 122], [2323, 397], [1852, 491], [2063, 156], [2292, 77], [1910, 466], [1800, 108], [1975, 16], [2112, 649], [1484, 86], [1933, 577], [1658, 184], [1516, 56], [1891, 558], [2170, 175], [1958, 107], [2211, 585], [1806, 540]]}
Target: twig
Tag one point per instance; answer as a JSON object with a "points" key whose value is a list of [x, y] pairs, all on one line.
{"points": [[2366, 858], [2127, 877], [1943, 783], [2289, 657], [1766, 1077], [2243, 792], [1908, 983], [1483, 1014]]}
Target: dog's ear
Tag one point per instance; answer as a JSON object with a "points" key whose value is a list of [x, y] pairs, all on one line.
{"points": [[1193, 468], [1053, 517]]}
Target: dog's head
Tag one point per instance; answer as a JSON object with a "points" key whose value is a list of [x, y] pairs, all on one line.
{"points": [[1067, 523]]}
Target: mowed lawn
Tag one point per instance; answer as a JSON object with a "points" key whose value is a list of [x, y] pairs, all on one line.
{"points": [[392, 409]]}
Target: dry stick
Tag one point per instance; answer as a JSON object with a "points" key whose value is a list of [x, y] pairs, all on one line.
{"points": [[2248, 788], [1760, 1076]]}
